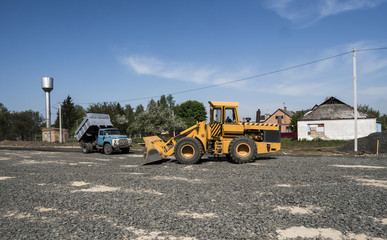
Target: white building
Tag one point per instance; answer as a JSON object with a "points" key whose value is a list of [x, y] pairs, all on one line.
{"points": [[334, 119]]}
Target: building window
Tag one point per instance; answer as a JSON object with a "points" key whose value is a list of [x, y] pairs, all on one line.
{"points": [[316, 130]]}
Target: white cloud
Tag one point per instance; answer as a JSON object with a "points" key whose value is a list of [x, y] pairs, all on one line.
{"points": [[333, 77], [308, 12], [182, 71], [170, 70]]}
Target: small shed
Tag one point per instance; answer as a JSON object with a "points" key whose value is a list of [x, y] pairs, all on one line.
{"points": [[55, 136], [334, 119]]}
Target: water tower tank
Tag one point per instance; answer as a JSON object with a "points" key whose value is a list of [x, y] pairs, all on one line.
{"points": [[47, 84]]}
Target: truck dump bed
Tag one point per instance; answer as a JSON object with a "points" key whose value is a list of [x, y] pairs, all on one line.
{"points": [[91, 123]]}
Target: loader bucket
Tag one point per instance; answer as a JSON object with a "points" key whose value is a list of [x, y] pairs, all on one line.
{"points": [[151, 156], [154, 149]]}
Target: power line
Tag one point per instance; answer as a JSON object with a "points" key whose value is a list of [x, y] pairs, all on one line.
{"points": [[251, 77], [371, 49]]}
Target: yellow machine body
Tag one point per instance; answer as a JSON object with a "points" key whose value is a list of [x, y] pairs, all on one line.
{"points": [[225, 134]]}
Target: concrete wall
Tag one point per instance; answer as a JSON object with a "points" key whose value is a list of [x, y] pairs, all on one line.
{"points": [[335, 129]]}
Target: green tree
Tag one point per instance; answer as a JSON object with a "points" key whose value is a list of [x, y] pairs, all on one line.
{"points": [[383, 120], [25, 125], [162, 102], [156, 119], [132, 115], [191, 112], [295, 117], [71, 115], [380, 118], [129, 115], [80, 113], [129, 112], [367, 109], [139, 109], [4, 122], [170, 101]]}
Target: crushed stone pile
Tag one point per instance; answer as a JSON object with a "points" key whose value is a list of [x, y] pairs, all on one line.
{"points": [[368, 144]]}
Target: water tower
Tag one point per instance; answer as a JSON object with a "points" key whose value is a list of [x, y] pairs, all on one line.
{"points": [[47, 86]]}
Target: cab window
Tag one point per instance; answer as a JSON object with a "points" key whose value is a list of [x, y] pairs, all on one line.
{"points": [[217, 115], [229, 115]]}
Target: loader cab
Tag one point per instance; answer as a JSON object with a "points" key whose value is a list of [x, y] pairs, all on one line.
{"points": [[224, 119], [224, 112]]}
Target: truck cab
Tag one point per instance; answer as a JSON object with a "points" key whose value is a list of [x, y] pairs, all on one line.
{"points": [[110, 139]]}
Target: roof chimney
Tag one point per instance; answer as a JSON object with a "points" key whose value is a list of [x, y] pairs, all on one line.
{"points": [[258, 116], [284, 108]]}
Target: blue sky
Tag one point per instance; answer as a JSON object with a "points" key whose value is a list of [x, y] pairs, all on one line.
{"points": [[121, 50]]}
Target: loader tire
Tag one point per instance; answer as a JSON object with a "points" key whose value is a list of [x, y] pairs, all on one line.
{"points": [[107, 149], [242, 149], [188, 150]]}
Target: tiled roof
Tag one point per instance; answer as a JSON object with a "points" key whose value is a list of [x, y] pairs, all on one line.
{"points": [[333, 109]]}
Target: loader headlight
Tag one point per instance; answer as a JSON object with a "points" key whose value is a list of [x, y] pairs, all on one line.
{"points": [[129, 141]]}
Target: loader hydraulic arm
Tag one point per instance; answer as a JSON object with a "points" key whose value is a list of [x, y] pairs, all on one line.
{"points": [[157, 149]]}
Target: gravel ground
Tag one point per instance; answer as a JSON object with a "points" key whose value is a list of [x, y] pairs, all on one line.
{"points": [[69, 195]]}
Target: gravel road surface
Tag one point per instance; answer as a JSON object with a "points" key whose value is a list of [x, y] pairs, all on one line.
{"points": [[70, 195]]}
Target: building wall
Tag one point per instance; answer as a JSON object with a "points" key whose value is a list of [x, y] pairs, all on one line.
{"points": [[378, 126], [285, 122], [335, 129], [55, 136]]}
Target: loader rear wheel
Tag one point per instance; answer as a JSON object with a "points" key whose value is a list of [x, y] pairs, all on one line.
{"points": [[242, 149], [107, 149], [188, 150]]}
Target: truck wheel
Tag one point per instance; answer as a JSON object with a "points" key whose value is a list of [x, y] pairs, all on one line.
{"points": [[90, 146], [86, 148], [125, 150], [242, 149], [107, 149], [188, 150]]}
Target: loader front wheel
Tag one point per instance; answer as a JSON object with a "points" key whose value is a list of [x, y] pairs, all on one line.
{"points": [[107, 149], [188, 150], [242, 149]]}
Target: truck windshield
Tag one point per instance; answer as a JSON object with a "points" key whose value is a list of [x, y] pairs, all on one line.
{"points": [[112, 132]]}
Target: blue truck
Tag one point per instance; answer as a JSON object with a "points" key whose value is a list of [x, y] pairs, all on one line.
{"points": [[96, 133]]}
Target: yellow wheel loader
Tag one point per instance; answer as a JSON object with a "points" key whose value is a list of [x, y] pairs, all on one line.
{"points": [[225, 134]]}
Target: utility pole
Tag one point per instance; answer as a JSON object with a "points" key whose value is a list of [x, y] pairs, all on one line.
{"points": [[355, 99], [173, 122], [60, 124]]}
